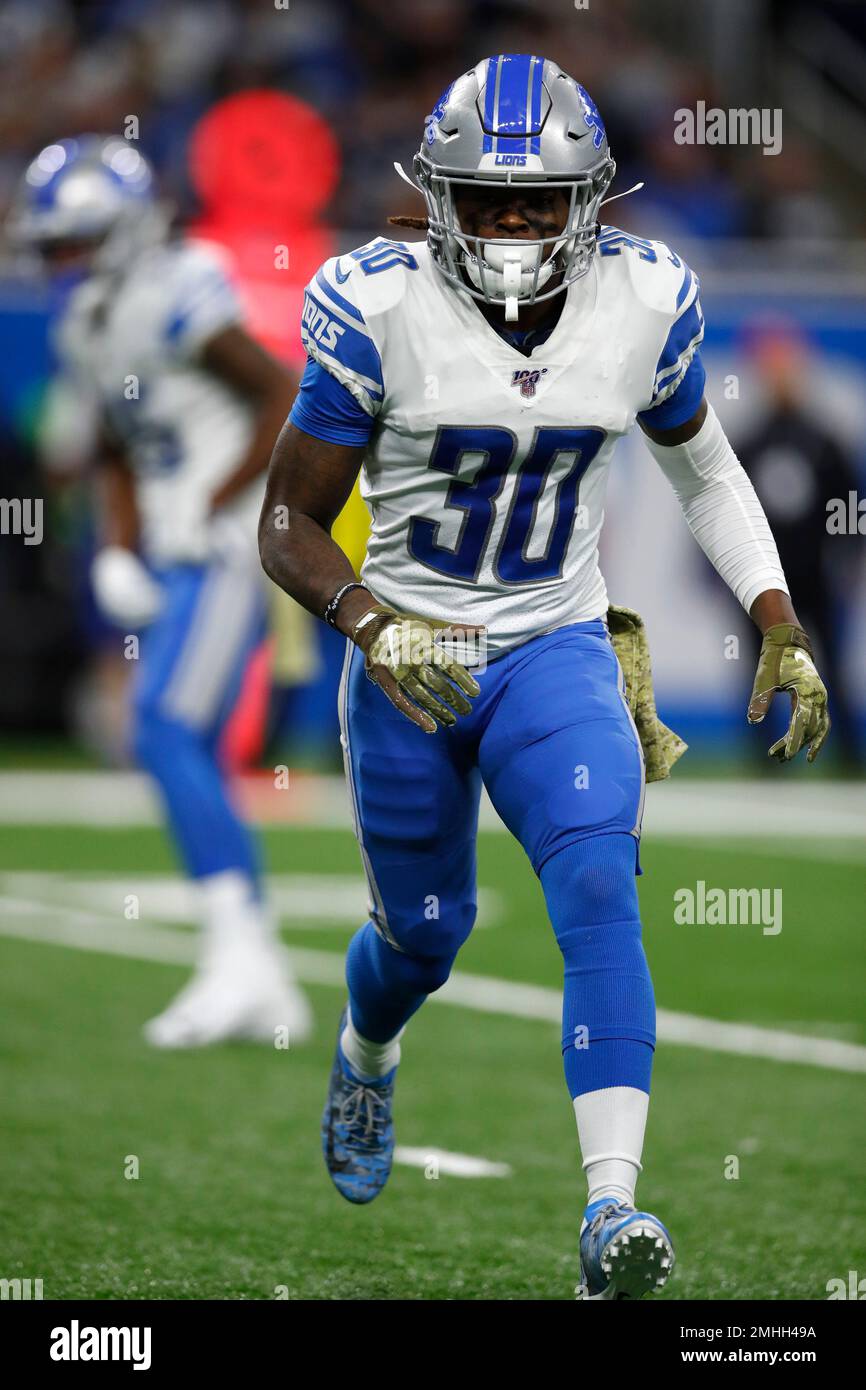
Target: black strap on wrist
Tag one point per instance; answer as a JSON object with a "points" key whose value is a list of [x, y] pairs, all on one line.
{"points": [[330, 613], [789, 635]]}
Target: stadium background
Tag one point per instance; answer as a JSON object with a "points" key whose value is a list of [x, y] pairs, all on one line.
{"points": [[766, 1036]]}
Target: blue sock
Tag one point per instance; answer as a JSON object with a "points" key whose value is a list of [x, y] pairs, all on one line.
{"points": [[608, 1009], [387, 986]]}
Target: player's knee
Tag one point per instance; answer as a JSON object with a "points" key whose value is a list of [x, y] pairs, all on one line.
{"points": [[437, 930], [157, 740], [426, 974], [591, 883]]}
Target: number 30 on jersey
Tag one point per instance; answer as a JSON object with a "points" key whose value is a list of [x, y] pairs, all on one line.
{"points": [[476, 500]]}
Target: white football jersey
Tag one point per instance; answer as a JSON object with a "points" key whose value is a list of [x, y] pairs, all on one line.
{"points": [[485, 473], [133, 342]]}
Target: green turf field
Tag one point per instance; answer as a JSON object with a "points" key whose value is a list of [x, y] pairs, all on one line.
{"points": [[232, 1200]]}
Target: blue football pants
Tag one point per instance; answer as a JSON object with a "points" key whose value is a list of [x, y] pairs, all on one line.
{"points": [[551, 738], [192, 661]]}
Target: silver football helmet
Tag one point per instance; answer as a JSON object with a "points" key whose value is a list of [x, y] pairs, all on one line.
{"points": [[514, 119], [95, 189]]}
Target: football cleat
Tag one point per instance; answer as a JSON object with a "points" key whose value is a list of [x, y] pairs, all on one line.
{"points": [[623, 1253], [244, 994], [357, 1130]]}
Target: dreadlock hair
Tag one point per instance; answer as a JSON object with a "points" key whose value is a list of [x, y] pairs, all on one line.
{"points": [[418, 224]]}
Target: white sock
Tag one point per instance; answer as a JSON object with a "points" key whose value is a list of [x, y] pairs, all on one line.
{"points": [[232, 914], [610, 1127], [368, 1060]]}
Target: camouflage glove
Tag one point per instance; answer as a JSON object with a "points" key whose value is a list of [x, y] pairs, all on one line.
{"points": [[785, 663], [661, 746], [403, 658]]}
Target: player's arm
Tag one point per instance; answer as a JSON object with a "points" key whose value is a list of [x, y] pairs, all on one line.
{"points": [[729, 523], [309, 481], [123, 587], [315, 463], [242, 364], [115, 491]]}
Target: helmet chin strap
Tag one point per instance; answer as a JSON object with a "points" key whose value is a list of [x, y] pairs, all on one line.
{"points": [[512, 274]]}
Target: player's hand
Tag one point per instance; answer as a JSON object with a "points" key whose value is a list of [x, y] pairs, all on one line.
{"points": [[420, 679], [786, 663], [124, 589]]}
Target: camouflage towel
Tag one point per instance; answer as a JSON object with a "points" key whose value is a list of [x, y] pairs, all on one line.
{"points": [[661, 746]]}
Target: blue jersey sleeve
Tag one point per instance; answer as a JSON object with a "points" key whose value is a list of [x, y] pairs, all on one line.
{"points": [[684, 336], [681, 405], [326, 409], [335, 335]]}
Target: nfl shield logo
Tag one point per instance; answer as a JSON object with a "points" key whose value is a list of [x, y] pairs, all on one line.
{"points": [[527, 380]]}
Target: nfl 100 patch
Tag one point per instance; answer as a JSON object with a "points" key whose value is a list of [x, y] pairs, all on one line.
{"points": [[527, 379]]}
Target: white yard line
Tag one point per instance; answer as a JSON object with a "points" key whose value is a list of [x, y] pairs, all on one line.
{"points": [[311, 902], [772, 809], [441, 1163], [851, 851], [136, 941]]}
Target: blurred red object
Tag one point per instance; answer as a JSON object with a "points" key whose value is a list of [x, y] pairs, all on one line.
{"points": [[243, 739], [264, 166]]}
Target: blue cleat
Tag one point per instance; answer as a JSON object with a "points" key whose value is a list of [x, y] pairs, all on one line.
{"points": [[357, 1131], [623, 1253]]}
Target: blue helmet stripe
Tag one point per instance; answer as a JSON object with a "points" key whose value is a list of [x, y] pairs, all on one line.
{"points": [[489, 98], [511, 114], [535, 104]]}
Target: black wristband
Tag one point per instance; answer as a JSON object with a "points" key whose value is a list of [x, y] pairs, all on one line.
{"points": [[330, 613]]}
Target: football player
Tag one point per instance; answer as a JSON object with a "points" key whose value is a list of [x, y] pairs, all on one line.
{"points": [[188, 407], [480, 381]]}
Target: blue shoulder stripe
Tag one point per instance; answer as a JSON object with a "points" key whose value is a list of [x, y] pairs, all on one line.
{"points": [[687, 330], [682, 403], [328, 331], [688, 277], [346, 305]]}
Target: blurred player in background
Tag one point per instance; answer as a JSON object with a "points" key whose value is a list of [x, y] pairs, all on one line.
{"points": [[188, 405]]}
